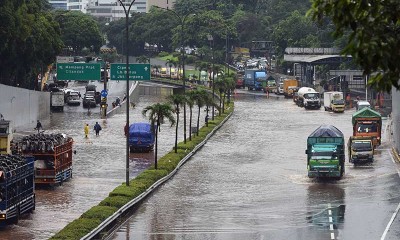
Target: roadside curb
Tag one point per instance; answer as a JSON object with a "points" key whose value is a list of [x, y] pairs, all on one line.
{"points": [[112, 221], [395, 154]]}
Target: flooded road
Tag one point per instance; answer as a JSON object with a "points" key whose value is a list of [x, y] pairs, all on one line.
{"points": [[98, 166], [250, 182]]}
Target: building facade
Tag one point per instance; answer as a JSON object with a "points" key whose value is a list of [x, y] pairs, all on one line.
{"points": [[59, 4], [160, 3], [78, 5], [112, 9]]}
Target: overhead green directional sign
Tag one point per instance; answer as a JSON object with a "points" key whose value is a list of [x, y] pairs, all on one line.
{"points": [[137, 72], [78, 71]]}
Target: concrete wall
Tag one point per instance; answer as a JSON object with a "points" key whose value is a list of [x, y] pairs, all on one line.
{"points": [[396, 118], [133, 97], [23, 107]]}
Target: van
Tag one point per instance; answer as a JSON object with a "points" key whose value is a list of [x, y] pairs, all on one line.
{"points": [[362, 104]]}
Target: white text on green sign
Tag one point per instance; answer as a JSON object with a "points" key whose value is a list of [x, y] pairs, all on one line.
{"points": [[137, 72]]}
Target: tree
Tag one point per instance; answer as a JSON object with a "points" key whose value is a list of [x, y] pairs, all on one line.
{"points": [[79, 31], [157, 114], [143, 59], [374, 35], [30, 40], [199, 97], [177, 100], [190, 101]]}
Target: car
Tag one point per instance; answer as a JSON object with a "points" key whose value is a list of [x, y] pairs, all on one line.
{"points": [[362, 104], [89, 101], [73, 98]]}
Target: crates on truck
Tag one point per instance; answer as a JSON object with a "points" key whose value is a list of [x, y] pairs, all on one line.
{"points": [[17, 186], [53, 157]]}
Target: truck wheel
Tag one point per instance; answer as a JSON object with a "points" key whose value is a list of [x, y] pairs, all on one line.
{"points": [[326, 109]]}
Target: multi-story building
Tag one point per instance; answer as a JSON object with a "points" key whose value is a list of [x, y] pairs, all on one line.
{"points": [[78, 5], [59, 4], [112, 9], [160, 3]]}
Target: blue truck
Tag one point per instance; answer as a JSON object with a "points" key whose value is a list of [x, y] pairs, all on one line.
{"points": [[17, 186], [254, 79], [325, 153], [141, 137]]}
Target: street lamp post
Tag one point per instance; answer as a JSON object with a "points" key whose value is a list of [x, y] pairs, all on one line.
{"points": [[211, 39], [182, 21], [127, 82]]}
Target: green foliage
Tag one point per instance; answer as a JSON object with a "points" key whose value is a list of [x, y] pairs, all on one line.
{"points": [[374, 34], [30, 40], [163, 54], [99, 212], [122, 194], [115, 201], [77, 229], [79, 31]]}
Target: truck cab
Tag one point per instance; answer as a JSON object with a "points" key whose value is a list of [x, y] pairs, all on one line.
{"points": [[360, 150], [368, 123], [325, 153], [324, 161]]}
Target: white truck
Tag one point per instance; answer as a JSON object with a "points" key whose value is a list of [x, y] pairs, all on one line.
{"points": [[308, 98], [57, 101], [333, 101]]}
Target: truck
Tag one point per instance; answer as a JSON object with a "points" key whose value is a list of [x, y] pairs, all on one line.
{"points": [[239, 81], [308, 98], [57, 100], [325, 153], [333, 101], [368, 123], [254, 79], [288, 93], [52, 154], [141, 137], [270, 85], [17, 195], [360, 149]]}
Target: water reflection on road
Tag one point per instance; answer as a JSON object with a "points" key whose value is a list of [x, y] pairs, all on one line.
{"points": [[250, 182], [98, 167]]}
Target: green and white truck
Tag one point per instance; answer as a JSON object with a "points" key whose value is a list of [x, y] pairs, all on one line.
{"points": [[325, 153]]}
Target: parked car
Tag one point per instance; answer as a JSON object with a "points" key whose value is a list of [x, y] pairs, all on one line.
{"points": [[89, 101]]}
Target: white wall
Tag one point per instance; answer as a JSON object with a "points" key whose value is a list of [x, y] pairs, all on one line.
{"points": [[23, 107]]}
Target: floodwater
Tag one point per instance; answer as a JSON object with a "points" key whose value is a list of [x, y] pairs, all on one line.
{"points": [[250, 182], [98, 165]]}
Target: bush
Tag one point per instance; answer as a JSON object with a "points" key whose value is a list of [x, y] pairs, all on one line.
{"points": [[115, 201], [163, 54], [122, 194], [77, 229], [99, 212]]}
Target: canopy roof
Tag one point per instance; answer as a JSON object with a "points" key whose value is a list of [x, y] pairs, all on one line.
{"points": [[365, 113], [326, 131]]}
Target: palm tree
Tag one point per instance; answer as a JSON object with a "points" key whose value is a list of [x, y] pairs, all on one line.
{"points": [[199, 99], [157, 113], [169, 63], [220, 85], [190, 100], [177, 100], [231, 84]]}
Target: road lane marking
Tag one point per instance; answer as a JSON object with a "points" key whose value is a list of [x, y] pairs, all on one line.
{"points": [[331, 221], [398, 206]]}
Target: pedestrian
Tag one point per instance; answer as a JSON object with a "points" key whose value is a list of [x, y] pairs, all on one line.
{"points": [[97, 128], [206, 119], [348, 99], [118, 102], [86, 129], [38, 126]]}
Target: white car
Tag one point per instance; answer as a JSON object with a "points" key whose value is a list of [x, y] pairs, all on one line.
{"points": [[362, 104]]}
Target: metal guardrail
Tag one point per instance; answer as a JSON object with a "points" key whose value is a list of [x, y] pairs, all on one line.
{"points": [[110, 220]]}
